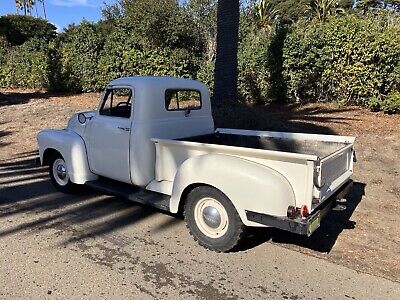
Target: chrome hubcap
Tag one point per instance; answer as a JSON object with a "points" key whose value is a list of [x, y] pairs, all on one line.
{"points": [[60, 172], [211, 217]]}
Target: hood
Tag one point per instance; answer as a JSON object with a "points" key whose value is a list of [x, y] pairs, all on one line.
{"points": [[74, 125]]}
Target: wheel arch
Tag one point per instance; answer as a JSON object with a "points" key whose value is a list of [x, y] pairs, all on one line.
{"points": [[48, 154], [73, 150], [248, 185]]}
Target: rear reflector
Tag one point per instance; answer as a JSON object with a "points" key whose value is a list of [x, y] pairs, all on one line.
{"points": [[304, 211]]}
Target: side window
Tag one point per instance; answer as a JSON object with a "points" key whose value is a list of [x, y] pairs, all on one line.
{"points": [[182, 99], [117, 103]]}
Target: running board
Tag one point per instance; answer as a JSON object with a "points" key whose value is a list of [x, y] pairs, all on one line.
{"points": [[130, 192]]}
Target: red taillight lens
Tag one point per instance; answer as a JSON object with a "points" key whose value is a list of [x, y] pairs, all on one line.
{"points": [[304, 211], [291, 212]]}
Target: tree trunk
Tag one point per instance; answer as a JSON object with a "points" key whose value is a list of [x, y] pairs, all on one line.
{"points": [[226, 73], [35, 3], [44, 10]]}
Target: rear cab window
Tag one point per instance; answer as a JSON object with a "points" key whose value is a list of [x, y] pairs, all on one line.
{"points": [[182, 99]]}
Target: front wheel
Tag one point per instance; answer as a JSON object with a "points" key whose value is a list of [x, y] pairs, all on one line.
{"points": [[212, 219], [59, 175]]}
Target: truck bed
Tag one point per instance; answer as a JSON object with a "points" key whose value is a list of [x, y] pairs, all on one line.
{"points": [[319, 148], [315, 165]]}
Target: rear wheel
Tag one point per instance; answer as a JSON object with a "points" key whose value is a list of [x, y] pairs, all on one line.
{"points": [[212, 219], [59, 174]]}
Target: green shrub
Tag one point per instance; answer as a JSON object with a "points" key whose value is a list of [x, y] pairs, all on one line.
{"points": [[158, 62], [349, 59], [391, 105], [80, 49], [374, 104], [31, 65], [163, 24], [253, 71], [206, 74], [4, 48], [124, 54], [110, 63]]}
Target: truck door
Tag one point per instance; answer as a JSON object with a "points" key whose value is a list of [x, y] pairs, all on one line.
{"points": [[108, 135]]}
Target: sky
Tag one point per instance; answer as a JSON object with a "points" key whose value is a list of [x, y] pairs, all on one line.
{"points": [[63, 12]]}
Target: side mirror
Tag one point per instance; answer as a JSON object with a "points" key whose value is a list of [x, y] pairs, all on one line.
{"points": [[82, 118]]}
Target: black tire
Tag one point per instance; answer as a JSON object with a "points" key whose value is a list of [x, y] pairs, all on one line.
{"points": [[232, 233], [69, 187]]}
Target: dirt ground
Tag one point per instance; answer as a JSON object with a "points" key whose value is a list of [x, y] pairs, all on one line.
{"points": [[366, 237]]}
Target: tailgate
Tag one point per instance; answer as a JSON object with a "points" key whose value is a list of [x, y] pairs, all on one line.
{"points": [[334, 170]]}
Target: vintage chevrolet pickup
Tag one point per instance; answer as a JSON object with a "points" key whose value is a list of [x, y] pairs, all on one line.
{"points": [[152, 140]]}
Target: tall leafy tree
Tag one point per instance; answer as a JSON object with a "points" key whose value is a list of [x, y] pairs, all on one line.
{"points": [[226, 73], [18, 29], [204, 13]]}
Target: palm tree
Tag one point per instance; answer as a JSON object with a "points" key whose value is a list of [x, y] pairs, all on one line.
{"points": [[226, 73], [322, 9], [24, 5], [18, 6], [44, 8], [35, 4], [27, 6], [266, 14]]}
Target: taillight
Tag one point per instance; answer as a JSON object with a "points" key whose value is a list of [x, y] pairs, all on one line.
{"points": [[304, 211], [291, 212]]}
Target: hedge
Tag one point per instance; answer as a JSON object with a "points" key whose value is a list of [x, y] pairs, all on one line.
{"points": [[350, 58]]}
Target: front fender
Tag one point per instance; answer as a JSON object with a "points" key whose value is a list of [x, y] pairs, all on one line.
{"points": [[250, 186], [72, 147]]}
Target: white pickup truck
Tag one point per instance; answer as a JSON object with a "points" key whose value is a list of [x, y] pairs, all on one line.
{"points": [[152, 140]]}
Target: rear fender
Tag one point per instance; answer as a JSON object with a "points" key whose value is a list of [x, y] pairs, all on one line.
{"points": [[72, 147], [250, 186]]}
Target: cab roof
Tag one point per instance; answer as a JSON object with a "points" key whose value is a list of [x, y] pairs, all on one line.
{"points": [[157, 81]]}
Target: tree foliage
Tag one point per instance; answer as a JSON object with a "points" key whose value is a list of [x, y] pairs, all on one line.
{"points": [[322, 9], [19, 29], [350, 59], [80, 49], [291, 10], [32, 65]]}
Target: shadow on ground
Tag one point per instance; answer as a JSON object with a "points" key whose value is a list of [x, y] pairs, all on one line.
{"points": [[323, 239], [4, 133], [279, 117], [29, 194], [14, 98]]}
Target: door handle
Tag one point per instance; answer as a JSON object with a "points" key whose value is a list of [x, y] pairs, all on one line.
{"points": [[124, 128]]}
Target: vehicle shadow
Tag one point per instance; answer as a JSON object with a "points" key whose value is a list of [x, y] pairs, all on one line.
{"points": [[30, 194], [4, 133], [321, 240], [280, 117], [24, 191]]}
